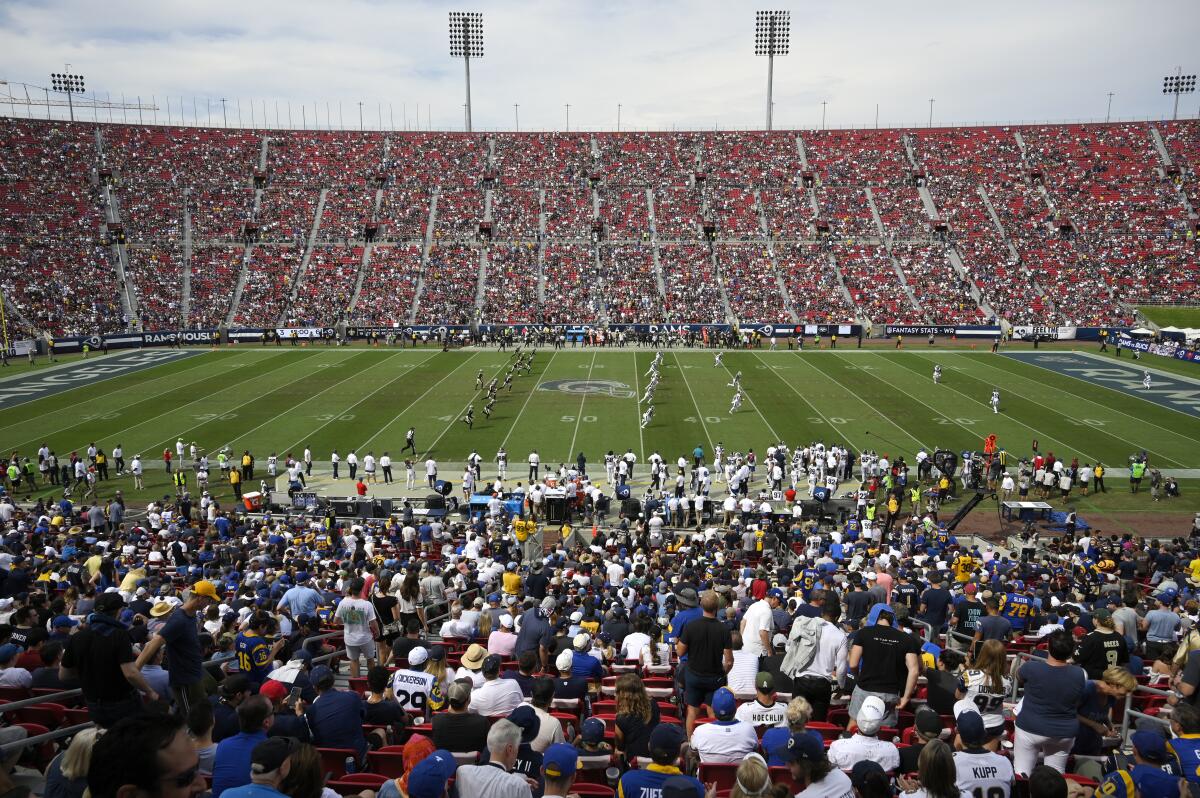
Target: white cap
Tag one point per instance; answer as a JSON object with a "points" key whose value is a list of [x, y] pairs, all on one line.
{"points": [[582, 641], [576, 617], [506, 621], [565, 660], [871, 714], [871, 575], [417, 656]]}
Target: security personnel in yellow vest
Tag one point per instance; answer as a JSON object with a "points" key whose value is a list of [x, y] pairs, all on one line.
{"points": [[235, 479], [179, 477]]}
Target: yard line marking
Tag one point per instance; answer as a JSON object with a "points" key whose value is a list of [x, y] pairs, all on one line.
{"points": [[867, 404], [419, 398], [810, 404], [1014, 419], [637, 408], [303, 376], [474, 395], [323, 391], [579, 417], [143, 422], [528, 396], [1081, 396], [196, 363], [695, 404], [769, 429]]}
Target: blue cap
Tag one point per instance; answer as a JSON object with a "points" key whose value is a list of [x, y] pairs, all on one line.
{"points": [[723, 703], [970, 728], [8, 651], [559, 760], [775, 593], [592, 730], [493, 597], [667, 738], [1151, 745], [63, 620], [321, 673], [302, 576], [804, 747], [527, 720], [428, 777], [876, 611]]}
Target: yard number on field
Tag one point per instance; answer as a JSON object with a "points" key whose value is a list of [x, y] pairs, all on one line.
{"points": [[832, 420]]}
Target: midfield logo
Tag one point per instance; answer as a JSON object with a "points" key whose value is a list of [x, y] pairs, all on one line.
{"points": [[618, 390]]}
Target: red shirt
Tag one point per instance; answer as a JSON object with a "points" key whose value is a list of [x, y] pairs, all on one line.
{"points": [[361, 488]]}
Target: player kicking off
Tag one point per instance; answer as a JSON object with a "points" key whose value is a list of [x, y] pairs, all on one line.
{"points": [[995, 401], [937, 375], [717, 360], [648, 416]]}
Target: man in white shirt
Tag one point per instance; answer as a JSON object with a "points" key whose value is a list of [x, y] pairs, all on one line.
{"points": [[334, 459], [352, 463], [431, 471], [535, 462], [758, 623], [385, 464], [497, 697], [727, 739], [360, 623], [864, 744], [369, 466], [764, 710]]}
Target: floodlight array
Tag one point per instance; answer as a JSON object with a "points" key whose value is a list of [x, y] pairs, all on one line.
{"points": [[63, 81], [771, 32], [466, 34], [1179, 84]]}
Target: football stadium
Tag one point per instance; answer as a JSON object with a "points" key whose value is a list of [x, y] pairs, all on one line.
{"points": [[628, 431]]}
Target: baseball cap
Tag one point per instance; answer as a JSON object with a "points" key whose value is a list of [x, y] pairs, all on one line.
{"points": [[667, 738], [559, 760], [321, 675], [803, 747], [1102, 615], [473, 659], [506, 621], [526, 719], [109, 602], [970, 728], [1151, 745], [275, 691], [862, 770], [8, 651], [491, 663], [459, 693], [764, 682], [723, 703], [576, 616], [548, 603], [428, 777], [592, 730], [876, 611], [417, 656], [775, 593], [63, 620], [206, 589], [970, 588], [870, 714], [565, 660], [927, 722], [271, 753], [582, 641], [437, 653]]}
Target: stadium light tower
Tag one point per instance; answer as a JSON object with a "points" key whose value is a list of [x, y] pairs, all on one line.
{"points": [[771, 39], [466, 42], [1178, 84], [70, 84]]}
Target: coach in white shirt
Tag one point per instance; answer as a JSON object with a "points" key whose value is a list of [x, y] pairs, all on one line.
{"points": [[727, 739], [864, 745], [498, 697]]}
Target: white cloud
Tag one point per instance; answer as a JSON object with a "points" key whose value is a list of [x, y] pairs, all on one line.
{"points": [[669, 64]]}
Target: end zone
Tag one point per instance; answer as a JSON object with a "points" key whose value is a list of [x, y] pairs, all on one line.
{"points": [[19, 390]]}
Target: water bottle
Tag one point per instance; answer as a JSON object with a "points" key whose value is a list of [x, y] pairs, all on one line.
{"points": [[350, 766]]}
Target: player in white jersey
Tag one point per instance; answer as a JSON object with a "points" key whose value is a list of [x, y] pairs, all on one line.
{"points": [[648, 395], [412, 688], [273, 465], [737, 381], [1146, 380], [979, 772], [717, 360], [937, 374], [647, 416], [736, 404], [995, 402], [654, 364], [502, 463]]}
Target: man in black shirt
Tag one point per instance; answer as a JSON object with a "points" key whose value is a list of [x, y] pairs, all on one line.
{"points": [[708, 645], [934, 604], [457, 729], [537, 583], [1101, 648], [858, 601], [527, 665], [906, 593], [888, 663], [412, 638], [101, 657], [964, 617]]}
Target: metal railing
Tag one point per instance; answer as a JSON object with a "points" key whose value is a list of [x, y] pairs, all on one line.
{"points": [[1130, 712], [49, 698], [50, 736], [466, 594]]}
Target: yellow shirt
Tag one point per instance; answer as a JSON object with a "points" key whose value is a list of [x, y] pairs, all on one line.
{"points": [[963, 567], [512, 583], [132, 577], [234, 477], [1195, 566], [93, 564]]}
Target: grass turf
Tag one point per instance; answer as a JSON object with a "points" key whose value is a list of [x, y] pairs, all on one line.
{"points": [[279, 400], [1171, 316]]}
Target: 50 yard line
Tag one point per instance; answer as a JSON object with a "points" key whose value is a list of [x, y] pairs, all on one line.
{"points": [[579, 417]]}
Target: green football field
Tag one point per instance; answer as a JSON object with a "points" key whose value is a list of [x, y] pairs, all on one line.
{"points": [[586, 400]]}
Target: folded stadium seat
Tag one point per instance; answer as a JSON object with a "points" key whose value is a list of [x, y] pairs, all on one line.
{"points": [[387, 730], [1091, 784], [828, 731], [37, 756], [593, 790], [724, 774], [386, 763], [75, 716], [359, 685], [609, 706], [570, 723], [571, 705], [333, 760], [354, 783], [839, 716], [14, 693], [51, 716]]}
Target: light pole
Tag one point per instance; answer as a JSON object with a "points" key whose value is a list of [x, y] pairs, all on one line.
{"points": [[360, 118], [771, 39], [823, 104], [618, 117], [1178, 84], [1108, 113], [224, 116], [568, 107], [68, 84], [930, 112], [466, 42], [516, 117]]}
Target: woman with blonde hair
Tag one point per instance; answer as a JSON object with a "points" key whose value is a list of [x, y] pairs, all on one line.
{"points": [[66, 777], [1101, 697], [637, 715], [753, 780]]}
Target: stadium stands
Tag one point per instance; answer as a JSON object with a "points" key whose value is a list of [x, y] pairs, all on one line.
{"points": [[1053, 224]]}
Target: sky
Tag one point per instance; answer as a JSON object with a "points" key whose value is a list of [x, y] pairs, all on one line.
{"points": [[668, 64]]}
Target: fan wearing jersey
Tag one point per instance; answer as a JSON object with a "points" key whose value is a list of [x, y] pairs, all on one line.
{"points": [[412, 687], [979, 772], [727, 739], [1150, 776], [1017, 608], [1185, 745], [985, 685], [765, 710]]}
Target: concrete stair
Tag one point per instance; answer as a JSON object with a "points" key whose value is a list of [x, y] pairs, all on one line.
{"points": [[298, 277], [425, 249]]}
